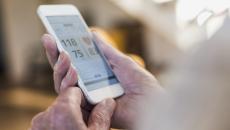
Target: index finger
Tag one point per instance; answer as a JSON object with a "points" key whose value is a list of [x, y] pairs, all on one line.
{"points": [[114, 56], [67, 109], [51, 49], [72, 95]]}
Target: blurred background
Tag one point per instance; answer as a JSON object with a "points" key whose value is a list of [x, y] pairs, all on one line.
{"points": [[155, 33]]}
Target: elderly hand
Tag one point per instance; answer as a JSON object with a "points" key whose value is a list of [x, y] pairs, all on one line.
{"points": [[66, 114], [136, 81]]}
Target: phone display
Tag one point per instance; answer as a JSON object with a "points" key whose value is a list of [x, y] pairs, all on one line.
{"points": [[85, 56]]}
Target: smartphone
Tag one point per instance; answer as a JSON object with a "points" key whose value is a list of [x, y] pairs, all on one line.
{"points": [[95, 76]]}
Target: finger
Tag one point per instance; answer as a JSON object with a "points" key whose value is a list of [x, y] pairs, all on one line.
{"points": [[67, 109], [70, 79], [39, 121], [60, 70], [100, 117], [51, 48], [74, 97], [112, 54], [78, 95]]}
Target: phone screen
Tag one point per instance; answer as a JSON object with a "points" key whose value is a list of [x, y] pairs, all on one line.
{"points": [[85, 56]]}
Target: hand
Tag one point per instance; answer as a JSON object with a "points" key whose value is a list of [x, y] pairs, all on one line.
{"points": [[135, 80], [66, 114]]}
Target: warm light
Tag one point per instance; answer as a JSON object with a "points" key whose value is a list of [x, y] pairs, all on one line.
{"points": [[203, 17], [189, 10], [161, 1], [130, 5]]}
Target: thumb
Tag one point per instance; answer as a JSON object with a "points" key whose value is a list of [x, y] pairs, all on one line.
{"points": [[112, 54], [100, 117]]}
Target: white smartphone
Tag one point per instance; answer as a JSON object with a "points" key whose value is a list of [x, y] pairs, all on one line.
{"points": [[72, 35]]}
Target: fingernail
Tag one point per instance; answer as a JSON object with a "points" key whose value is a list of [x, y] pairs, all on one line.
{"points": [[70, 74], [45, 38], [61, 58], [62, 87]]}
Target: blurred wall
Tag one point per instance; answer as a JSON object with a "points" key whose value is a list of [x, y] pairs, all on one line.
{"points": [[23, 32], [103, 12], [2, 62], [23, 29]]}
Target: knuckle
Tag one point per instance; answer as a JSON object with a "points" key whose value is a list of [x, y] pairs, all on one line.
{"points": [[37, 121], [101, 118], [74, 94], [67, 81], [63, 101], [128, 58], [58, 114], [124, 59], [37, 118], [119, 60], [68, 98], [76, 90]]}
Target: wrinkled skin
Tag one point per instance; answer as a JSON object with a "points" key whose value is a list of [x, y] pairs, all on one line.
{"points": [[66, 114], [135, 80]]}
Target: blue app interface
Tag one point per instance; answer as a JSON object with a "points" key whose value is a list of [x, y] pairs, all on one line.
{"points": [[86, 58]]}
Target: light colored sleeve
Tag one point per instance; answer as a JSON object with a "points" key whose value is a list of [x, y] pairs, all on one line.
{"points": [[198, 96]]}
